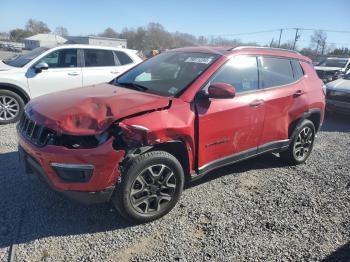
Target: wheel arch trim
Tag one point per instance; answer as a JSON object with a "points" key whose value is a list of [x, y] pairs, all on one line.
{"points": [[18, 90]]}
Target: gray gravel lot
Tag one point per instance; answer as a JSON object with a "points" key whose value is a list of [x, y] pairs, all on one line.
{"points": [[4, 54], [257, 210]]}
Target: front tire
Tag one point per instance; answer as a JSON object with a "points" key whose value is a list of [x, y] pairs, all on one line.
{"points": [[301, 145], [11, 107], [150, 187]]}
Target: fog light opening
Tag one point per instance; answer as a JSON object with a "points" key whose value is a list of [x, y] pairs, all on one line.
{"points": [[78, 173]]}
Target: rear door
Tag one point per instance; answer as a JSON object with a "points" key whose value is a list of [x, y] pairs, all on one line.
{"points": [[284, 95], [233, 126], [99, 67], [64, 72]]}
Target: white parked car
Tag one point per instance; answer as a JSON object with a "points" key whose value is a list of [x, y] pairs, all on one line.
{"points": [[43, 70]]}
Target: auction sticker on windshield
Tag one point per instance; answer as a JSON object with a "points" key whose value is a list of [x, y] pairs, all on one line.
{"points": [[199, 60]]}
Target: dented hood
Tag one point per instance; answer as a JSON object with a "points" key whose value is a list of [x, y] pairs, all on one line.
{"points": [[91, 110]]}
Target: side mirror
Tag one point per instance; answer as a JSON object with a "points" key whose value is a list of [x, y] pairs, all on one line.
{"points": [[221, 90], [40, 67]]}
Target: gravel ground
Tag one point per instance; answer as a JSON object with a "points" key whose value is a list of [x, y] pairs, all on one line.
{"points": [[256, 210]]}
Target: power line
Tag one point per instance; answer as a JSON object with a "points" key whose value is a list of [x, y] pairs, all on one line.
{"points": [[248, 33], [327, 42], [282, 29], [325, 30]]}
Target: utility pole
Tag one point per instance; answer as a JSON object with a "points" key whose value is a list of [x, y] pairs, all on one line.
{"points": [[296, 37], [279, 40]]}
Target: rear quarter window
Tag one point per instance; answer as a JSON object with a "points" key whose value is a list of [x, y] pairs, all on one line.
{"points": [[123, 58], [297, 69], [275, 71]]}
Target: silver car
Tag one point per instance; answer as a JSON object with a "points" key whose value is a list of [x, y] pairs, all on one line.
{"points": [[338, 95]]}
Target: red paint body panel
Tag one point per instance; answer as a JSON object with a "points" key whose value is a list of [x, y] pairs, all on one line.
{"points": [[282, 108], [228, 126], [173, 124], [104, 158], [224, 126], [90, 110]]}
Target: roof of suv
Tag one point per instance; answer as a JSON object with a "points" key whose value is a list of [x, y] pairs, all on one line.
{"points": [[93, 47], [222, 50]]}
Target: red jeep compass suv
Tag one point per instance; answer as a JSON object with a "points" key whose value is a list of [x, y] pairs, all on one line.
{"points": [[171, 119]]}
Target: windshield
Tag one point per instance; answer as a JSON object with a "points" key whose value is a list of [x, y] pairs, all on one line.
{"points": [[330, 62], [167, 74], [22, 60]]}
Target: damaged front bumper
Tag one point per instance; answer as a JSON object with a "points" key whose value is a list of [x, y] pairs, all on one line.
{"points": [[96, 187]]}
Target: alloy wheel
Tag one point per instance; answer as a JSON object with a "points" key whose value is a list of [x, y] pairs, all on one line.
{"points": [[153, 189], [9, 108], [303, 143]]}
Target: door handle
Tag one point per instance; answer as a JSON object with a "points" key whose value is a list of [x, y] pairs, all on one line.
{"points": [[115, 72], [73, 74], [256, 103], [298, 93]]}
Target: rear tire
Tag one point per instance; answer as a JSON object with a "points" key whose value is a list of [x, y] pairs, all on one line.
{"points": [[150, 187], [11, 107], [301, 145]]}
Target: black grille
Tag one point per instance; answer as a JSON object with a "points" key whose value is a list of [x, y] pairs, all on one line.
{"points": [[325, 74], [35, 133]]}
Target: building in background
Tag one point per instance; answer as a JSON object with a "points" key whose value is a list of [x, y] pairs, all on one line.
{"points": [[4, 37], [97, 40], [47, 40]]}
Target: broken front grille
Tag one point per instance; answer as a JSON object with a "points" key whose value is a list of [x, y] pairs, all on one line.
{"points": [[35, 133]]}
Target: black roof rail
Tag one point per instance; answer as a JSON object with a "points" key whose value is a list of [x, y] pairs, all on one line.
{"points": [[263, 48]]}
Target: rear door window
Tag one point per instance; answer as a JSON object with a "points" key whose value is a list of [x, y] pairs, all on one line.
{"points": [[98, 57], [123, 58], [275, 71], [240, 72]]}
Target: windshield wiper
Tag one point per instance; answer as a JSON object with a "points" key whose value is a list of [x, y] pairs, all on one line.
{"points": [[133, 85]]}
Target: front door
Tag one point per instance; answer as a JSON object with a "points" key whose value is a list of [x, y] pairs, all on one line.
{"points": [[63, 73], [231, 128]]}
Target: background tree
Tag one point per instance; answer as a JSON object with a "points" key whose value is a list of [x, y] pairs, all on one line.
{"points": [[62, 31], [202, 40], [183, 39], [287, 45], [309, 52], [109, 32], [19, 35], [319, 41], [343, 51], [37, 27], [136, 38], [157, 37]]}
